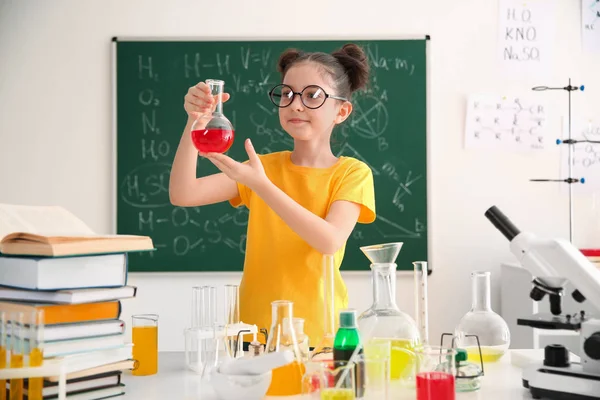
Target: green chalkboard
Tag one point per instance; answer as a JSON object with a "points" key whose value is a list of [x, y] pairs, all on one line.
{"points": [[387, 130]]}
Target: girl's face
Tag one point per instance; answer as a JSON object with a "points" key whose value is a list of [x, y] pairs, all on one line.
{"points": [[303, 123]]}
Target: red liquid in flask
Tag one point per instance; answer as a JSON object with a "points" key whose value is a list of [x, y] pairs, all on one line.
{"points": [[212, 140], [435, 386]]}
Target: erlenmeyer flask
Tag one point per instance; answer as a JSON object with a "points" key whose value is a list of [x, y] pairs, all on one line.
{"points": [[324, 349], [384, 321], [285, 380], [212, 132], [490, 328]]}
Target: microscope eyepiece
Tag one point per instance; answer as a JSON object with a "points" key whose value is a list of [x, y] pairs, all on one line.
{"points": [[537, 294], [502, 223]]}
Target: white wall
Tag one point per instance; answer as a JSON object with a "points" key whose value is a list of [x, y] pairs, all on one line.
{"points": [[55, 124]]}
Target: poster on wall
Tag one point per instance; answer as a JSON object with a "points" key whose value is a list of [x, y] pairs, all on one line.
{"points": [[508, 123], [590, 26], [526, 33]]}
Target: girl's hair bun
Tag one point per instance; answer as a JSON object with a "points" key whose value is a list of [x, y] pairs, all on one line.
{"points": [[288, 58], [354, 60]]}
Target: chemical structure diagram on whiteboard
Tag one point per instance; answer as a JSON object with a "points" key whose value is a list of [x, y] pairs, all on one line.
{"points": [[505, 123], [585, 159]]}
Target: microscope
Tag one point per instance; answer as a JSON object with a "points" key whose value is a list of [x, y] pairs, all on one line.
{"points": [[553, 263]]}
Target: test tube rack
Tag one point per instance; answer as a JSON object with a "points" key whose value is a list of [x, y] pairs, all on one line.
{"points": [[51, 367], [570, 180], [57, 366], [195, 336]]}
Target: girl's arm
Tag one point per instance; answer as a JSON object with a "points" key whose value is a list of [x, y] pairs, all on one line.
{"points": [[325, 235], [185, 190]]}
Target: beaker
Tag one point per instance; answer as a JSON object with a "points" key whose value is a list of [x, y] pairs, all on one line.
{"points": [[482, 324], [324, 349], [376, 359], [286, 380], [435, 371], [36, 353], [212, 132], [384, 321], [421, 313], [145, 344], [339, 383]]}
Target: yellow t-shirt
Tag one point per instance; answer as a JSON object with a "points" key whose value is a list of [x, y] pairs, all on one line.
{"points": [[279, 264]]}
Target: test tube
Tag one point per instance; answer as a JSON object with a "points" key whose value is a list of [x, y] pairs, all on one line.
{"points": [[232, 304], [3, 349], [17, 352], [204, 307], [232, 317], [36, 353], [420, 268]]}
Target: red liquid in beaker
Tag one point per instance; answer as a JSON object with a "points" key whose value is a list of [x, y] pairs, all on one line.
{"points": [[435, 386], [212, 140]]}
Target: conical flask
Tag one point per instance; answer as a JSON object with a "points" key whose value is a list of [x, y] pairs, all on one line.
{"points": [[285, 380], [384, 321], [324, 349], [212, 132], [491, 331]]}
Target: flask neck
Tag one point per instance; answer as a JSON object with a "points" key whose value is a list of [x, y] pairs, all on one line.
{"points": [[481, 292], [384, 285], [216, 89]]}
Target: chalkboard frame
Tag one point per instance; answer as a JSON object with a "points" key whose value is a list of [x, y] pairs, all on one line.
{"points": [[428, 91]]}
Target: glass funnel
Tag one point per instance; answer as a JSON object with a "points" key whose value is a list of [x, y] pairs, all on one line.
{"points": [[481, 326], [384, 321], [285, 380], [212, 132]]}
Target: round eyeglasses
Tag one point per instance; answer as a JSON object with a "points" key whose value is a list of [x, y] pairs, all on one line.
{"points": [[312, 96]]}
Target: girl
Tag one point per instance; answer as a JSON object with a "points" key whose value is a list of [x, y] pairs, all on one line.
{"points": [[302, 203]]}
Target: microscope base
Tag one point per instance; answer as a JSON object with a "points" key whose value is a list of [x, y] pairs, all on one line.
{"points": [[561, 383]]}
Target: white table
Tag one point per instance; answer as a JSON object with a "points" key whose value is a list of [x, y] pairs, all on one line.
{"points": [[502, 381]]}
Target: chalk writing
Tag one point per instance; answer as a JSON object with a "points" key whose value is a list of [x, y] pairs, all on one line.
{"points": [[145, 66], [391, 230], [151, 191], [193, 65], [248, 56], [387, 63], [146, 98], [369, 118], [151, 149], [148, 220]]}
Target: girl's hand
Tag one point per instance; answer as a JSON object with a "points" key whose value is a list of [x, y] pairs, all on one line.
{"points": [[198, 100], [251, 174]]}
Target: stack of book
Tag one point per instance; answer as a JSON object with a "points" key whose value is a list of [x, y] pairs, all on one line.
{"points": [[50, 260]]}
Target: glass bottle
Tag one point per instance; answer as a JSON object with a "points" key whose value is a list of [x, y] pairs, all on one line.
{"points": [[468, 375], [285, 380], [384, 321], [347, 340], [324, 349], [212, 132], [481, 321]]}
